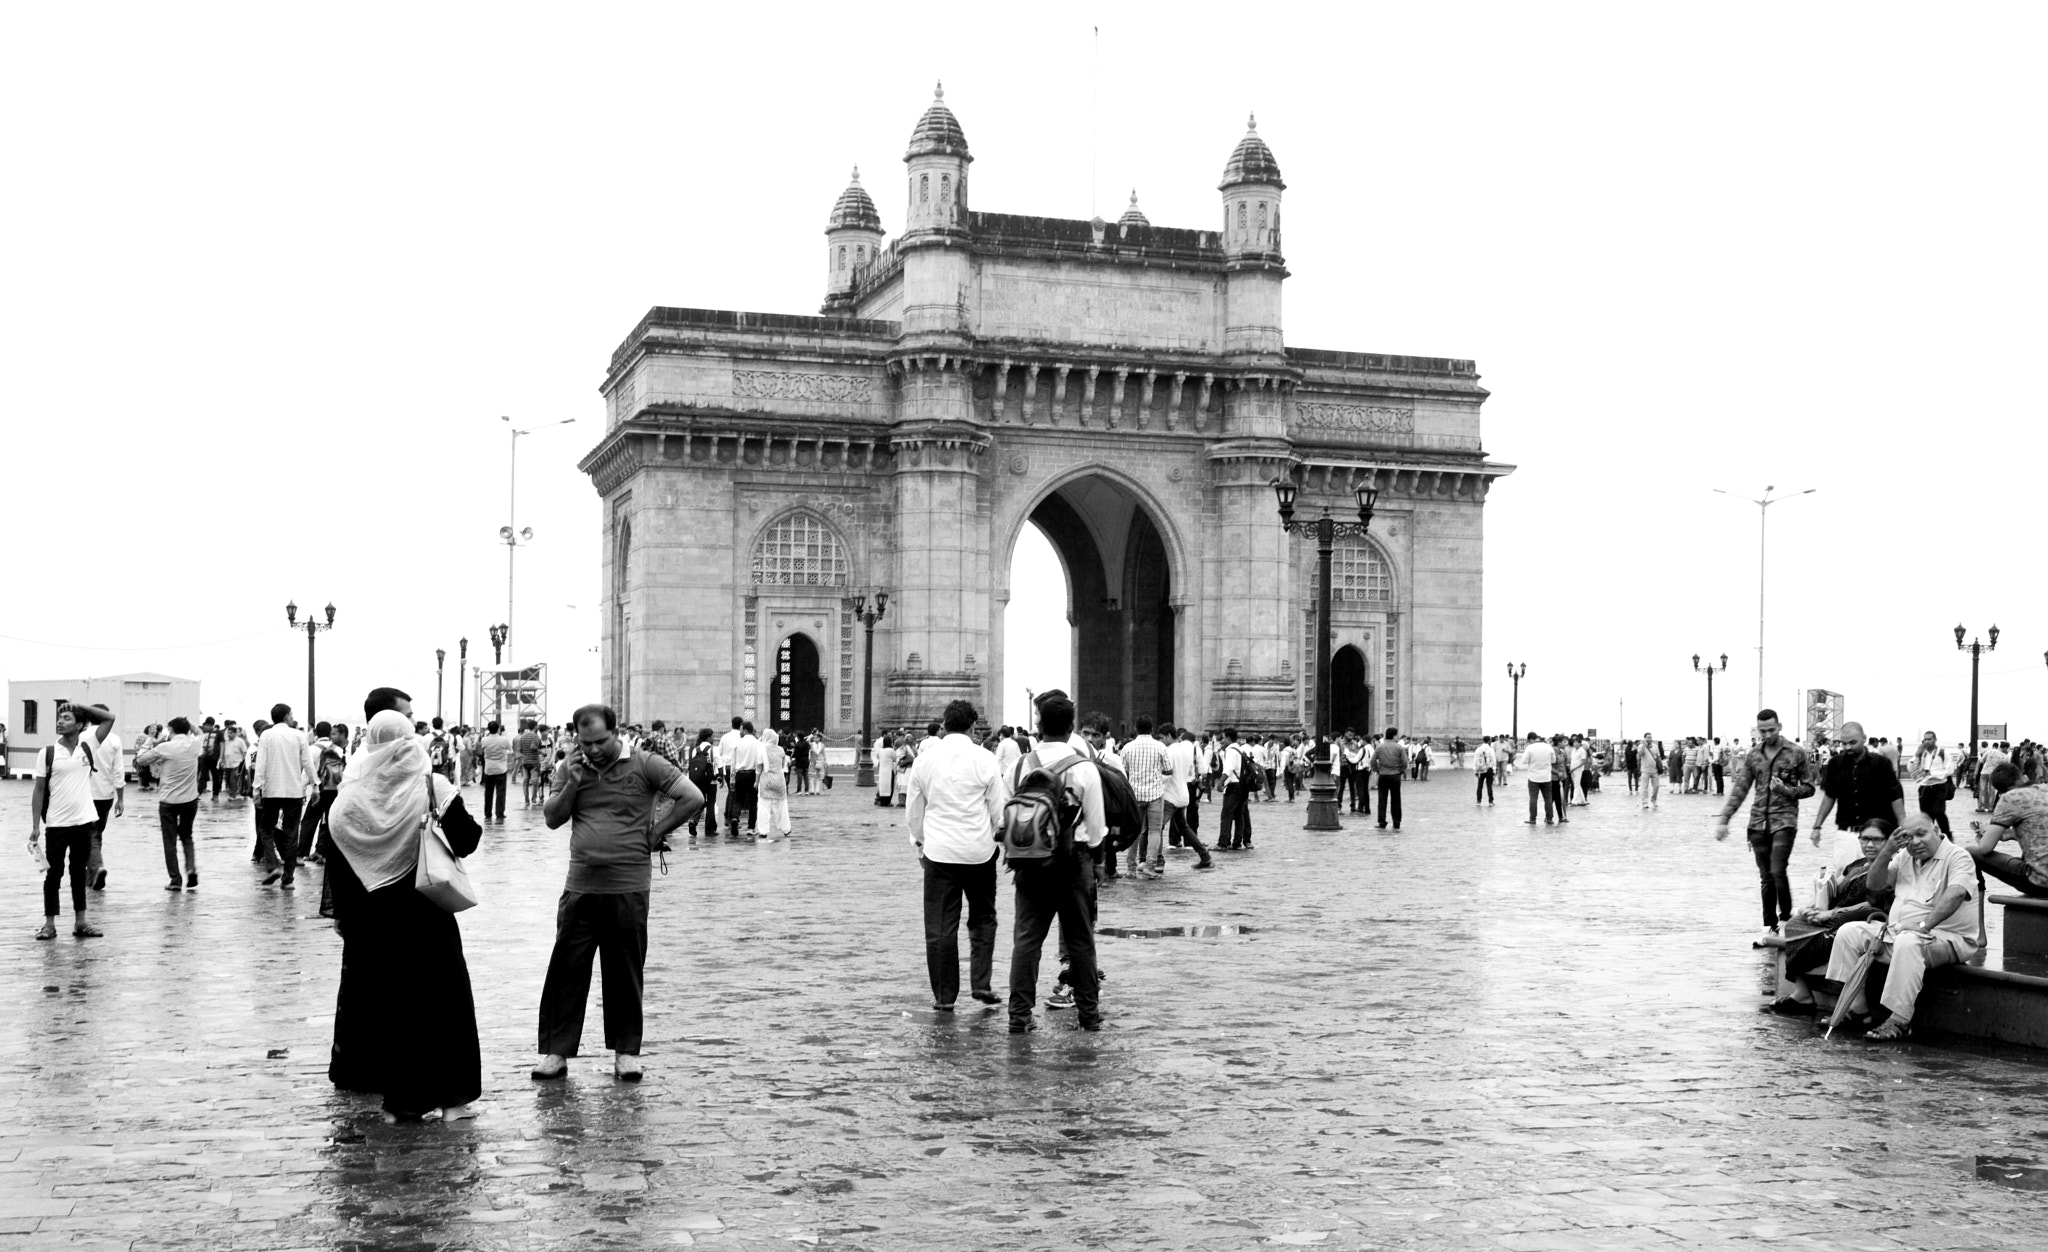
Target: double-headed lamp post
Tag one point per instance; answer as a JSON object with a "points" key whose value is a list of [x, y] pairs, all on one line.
{"points": [[312, 628], [1709, 670], [1976, 649], [499, 634], [1325, 530], [1516, 672], [864, 754]]}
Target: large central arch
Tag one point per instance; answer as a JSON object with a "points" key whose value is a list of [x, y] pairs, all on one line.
{"points": [[1120, 565]]}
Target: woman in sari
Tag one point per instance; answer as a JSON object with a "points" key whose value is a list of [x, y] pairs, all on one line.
{"points": [[405, 1021], [775, 789]]}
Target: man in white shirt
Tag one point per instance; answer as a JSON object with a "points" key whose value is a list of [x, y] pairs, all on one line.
{"points": [[749, 758], [1535, 763], [1236, 831], [281, 787], [62, 816], [109, 786], [1183, 808], [1007, 751], [176, 761], [1934, 768], [1933, 920], [1060, 885], [1482, 771], [956, 797]]}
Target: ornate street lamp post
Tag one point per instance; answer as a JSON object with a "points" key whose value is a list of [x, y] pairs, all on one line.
{"points": [[312, 628], [1516, 674], [461, 668], [499, 634], [1976, 651], [864, 755], [440, 661], [1325, 531], [1710, 671]]}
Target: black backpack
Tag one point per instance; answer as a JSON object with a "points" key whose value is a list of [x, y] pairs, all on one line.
{"points": [[1037, 822], [701, 773], [1122, 815]]}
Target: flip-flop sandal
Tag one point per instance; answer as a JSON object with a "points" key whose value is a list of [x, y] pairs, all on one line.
{"points": [[47, 932]]}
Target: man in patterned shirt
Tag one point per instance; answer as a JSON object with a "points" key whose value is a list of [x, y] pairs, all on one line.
{"points": [[1146, 765]]}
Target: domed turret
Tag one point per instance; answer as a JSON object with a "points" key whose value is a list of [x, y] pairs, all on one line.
{"points": [[853, 239], [938, 131], [1132, 217], [1252, 162], [1251, 190]]}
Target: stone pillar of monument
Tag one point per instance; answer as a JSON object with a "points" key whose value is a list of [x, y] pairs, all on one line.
{"points": [[937, 268], [1248, 631], [943, 583]]}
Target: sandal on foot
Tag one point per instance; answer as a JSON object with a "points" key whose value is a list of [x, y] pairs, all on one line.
{"points": [[1892, 1031], [88, 932], [47, 932]]}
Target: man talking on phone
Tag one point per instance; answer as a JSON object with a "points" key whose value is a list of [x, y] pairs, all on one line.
{"points": [[606, 792]]}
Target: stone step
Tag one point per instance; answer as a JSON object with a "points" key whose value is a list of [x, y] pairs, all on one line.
{"points": [[2026, 927]]}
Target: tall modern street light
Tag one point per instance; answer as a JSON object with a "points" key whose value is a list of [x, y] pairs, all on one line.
{"points": [[864, 755], [511, 534], [1976, 649], [1710, 671], [312, 628], [1516, 673], [461, 668], [1763, 506], [1325, 531], [440, 661]]}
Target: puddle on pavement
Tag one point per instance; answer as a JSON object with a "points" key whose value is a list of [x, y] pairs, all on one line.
{"points": [[2007, 1171], [1175, 932]]}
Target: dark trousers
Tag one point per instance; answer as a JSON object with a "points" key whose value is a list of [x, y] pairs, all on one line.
{"points": [[1390, 785], [746, 799], [1720, 779], [1361, 801], [612, 928], [176, 821], [312, 821], [1549, 801], [277, 831], [105, 809], [1180, 824], [1482, 785], [1236, 828], [1934, 803], [709, 811], [2011, 871], [1056, 889], [62, 843], [494, 796], [1773, 851], [944, 885]]}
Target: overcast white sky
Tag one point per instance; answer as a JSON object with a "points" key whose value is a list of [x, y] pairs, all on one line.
{"points": [[274, 273]]}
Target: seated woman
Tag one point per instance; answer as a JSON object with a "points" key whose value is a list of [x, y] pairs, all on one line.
{"points": [[404, 1020], [1809, 943]]}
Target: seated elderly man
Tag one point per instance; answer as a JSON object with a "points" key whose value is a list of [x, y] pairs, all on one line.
{"points": [[1933, 919], [2021, 815], [1849, 899]]}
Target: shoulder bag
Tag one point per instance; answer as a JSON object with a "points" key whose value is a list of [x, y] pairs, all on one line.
{"points": [[440, 875]]}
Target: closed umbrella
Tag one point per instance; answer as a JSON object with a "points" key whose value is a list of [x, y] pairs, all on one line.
{"points": [[1853, 986]]}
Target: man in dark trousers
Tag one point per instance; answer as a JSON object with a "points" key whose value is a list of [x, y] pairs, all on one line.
{"points": [[607, 789], [1389, 760], [1059, 886]]}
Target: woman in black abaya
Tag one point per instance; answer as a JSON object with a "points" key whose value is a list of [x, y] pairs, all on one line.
{"points": [[404, 1022]]}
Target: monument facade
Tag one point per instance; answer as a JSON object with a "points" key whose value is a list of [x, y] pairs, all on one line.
{"points": [[1123, 386]]}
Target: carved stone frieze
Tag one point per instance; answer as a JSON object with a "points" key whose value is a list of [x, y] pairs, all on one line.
{"points": [[1377, 419], [773, 385]]}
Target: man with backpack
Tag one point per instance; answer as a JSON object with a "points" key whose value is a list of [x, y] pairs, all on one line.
{"points": [[441, 752], [956, 796], [61, 814], [1240, 779], [1051, 827]]}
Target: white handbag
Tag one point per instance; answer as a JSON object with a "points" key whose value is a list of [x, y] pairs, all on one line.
{"points": [[440, 875]]}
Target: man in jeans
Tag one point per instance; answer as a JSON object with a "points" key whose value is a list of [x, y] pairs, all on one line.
{"points": [[956, 798], [1777, 774], [1059, 886], [605, 792], [281, 786], [496, 751], [1536, 762], [61, 814], [177, 762], [1389, 762], [109, 785], [1145, 764]]}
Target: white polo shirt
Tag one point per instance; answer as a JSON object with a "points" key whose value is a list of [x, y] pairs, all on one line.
{"points": [[70, 784], [110, 777]]}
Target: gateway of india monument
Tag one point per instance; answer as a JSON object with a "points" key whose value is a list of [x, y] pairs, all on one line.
{"points": [[1125, 387]]}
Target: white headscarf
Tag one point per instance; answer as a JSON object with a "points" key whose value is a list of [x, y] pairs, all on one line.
{"points": [[376, 816]]}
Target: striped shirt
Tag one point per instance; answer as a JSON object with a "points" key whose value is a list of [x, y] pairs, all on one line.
{"points": [[1146, 764]]}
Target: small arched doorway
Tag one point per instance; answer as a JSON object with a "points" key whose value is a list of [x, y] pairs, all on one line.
{"points": [[1350, 697], [796, 695]]}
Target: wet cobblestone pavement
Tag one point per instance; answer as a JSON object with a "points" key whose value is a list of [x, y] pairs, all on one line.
{"points": [[1473, 1034]]}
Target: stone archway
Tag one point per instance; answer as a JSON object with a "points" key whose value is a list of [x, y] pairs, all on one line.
{"points": [[1120, 588], [796, 694], [1350, 695]]}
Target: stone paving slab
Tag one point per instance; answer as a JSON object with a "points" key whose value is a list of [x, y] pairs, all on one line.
{"points": [[1472, 1034]]}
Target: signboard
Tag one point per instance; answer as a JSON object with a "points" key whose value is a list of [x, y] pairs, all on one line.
{"points": [[1993, 731], [1823, 715]]}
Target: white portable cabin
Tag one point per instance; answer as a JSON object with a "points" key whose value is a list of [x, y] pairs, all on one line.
{"points": [[137, 700]]}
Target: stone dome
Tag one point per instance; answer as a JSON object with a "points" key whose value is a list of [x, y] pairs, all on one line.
{"points": [[1252, 162], [855, 209], [938, 130], [1132, 217]]}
